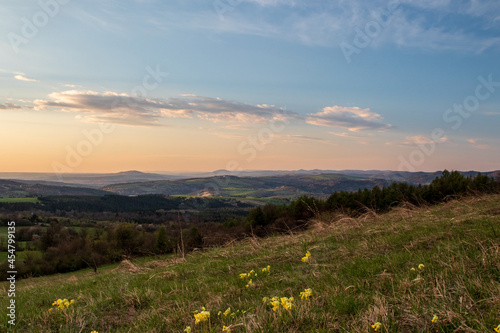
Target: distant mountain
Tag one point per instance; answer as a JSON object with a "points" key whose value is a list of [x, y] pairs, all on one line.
{"points": [[270, 186], [420, 177], [14, 189]]}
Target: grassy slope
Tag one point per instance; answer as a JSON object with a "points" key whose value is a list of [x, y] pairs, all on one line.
{"points": [[359, 272]]}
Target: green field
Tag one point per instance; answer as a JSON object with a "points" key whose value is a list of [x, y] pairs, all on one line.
{"points": [[11, 200], [361, 271]]}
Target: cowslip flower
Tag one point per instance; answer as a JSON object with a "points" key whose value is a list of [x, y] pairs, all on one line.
{"points": [[421, 267], [306, 293], [243, 275], [287, 302], [201, 316], [413, 269], [275, 303], [226, 329], [187, 329], [497, 329], [62, 303], [94, 332], [266, 269], [227, 312], [250, 283], [434, 319], [377, 326], [306, 258]]}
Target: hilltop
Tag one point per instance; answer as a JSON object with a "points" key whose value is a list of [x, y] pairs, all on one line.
{"points": [[361, 271]]}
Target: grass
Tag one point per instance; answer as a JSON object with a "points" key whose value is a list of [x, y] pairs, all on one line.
{"points": [[11, 200], [359, 271]]}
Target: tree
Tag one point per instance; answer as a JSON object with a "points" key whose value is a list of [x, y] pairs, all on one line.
{"points": [[162, 243]]}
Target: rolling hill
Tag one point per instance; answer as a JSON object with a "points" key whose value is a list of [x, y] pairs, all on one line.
{"points": [[272, 186], [19, 189]]}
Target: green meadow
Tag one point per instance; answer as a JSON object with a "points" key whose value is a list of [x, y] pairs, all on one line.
{"points": [[430, 269]]}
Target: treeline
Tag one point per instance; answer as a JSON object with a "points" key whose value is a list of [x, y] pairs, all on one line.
{"points": [[450, 185], [60, 249], [142, 209], [120, 203]]}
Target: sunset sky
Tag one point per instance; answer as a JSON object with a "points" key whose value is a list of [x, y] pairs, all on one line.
{"points": [[191, 85]]}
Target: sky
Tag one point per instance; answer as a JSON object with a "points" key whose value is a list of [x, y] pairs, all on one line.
{"points": [[154, 85]]}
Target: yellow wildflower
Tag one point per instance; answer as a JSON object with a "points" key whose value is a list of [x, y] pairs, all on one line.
{"points": [[275, 303], [266, 269], [60, 304], [377, 326], [287, 302], [306, 293], [250, 283], [226, 329], [187, 329], [227, 312], [306, 258], [243, 275], [201, 316], [265, 299], [412, 269], [435, 319], [497, 329], [94, 332], [421, 267]]}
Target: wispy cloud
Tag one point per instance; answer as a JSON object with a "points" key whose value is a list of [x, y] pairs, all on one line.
{"points": [[418, 140], [430, 25], [421, 139], [122, 108], [351, 118], [297, 138], [9, 106], [22, 77], [475, 144]]}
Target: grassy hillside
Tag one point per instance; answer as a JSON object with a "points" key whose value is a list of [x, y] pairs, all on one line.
{"points": [[361, 272]]}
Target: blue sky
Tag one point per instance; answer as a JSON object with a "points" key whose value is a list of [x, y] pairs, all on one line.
{"points": [[249, 84]]}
